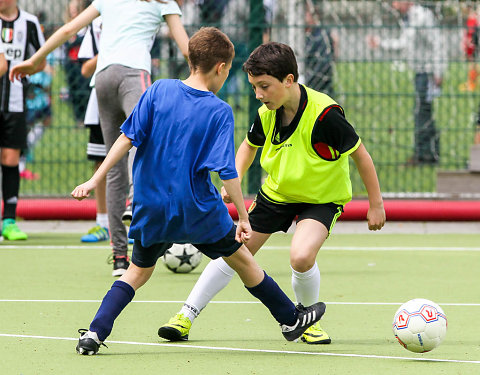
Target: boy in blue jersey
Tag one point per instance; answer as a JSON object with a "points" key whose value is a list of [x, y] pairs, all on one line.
{"points": [[183, 132], [306, 142]]}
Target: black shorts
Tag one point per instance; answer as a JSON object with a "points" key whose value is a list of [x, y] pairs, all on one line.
{"points": [[145, 257], [13, 130], [269, 216], [96, 149]]}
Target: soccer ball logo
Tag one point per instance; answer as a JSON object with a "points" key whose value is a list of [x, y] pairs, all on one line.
{"points": [[182, 258], [420, 325]]}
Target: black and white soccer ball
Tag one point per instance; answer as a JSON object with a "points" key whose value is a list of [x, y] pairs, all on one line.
{"points": [[182, 258]]}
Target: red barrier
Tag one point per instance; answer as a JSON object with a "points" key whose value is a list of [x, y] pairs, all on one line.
{"points": [[397, 210]]}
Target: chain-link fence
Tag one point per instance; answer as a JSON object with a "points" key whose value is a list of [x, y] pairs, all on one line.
{"points": [[405, 73]]}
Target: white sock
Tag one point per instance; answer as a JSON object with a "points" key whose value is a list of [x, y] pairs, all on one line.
{"points": [[34, 135], [306, 285], [216, 275], [102, 220], [22, 163]]}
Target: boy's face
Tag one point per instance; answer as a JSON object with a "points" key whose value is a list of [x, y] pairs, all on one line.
{"points": [[7, 5], [269, 90]]}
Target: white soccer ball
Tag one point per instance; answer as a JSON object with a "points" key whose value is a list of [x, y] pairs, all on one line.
{"points": [[420, 325], [182, 258]]}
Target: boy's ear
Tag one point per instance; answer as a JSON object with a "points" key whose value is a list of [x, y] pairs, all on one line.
{"points": [[289, 80], [220, 66]]}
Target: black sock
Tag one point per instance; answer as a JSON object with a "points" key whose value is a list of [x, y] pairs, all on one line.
{"points": [[10, 188]]}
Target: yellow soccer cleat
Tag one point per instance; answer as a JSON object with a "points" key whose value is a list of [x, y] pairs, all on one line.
{"points": [[176, 329], [316, 335]]}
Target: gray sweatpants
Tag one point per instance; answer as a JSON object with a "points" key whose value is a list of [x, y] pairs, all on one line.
{"points": [[119, 89]]}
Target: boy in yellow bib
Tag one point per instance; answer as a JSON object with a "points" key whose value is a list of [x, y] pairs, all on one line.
{"points": [[306, 142]]}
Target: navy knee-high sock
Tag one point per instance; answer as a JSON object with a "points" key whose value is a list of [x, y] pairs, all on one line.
{"points": [[112, 305], [280, 306]]}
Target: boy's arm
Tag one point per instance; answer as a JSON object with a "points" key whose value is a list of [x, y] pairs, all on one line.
{"points": [[366, 169], [3, 64], [34, 63], [243, 161], [89, 66], [178, 32], [234, 191], [119, 149]]}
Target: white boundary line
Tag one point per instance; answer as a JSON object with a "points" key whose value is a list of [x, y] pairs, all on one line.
{"points": [[270, 248], [222, 348], [231, 302]]}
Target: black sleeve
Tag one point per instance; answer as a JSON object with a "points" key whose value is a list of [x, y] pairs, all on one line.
{"points": [[256, 135], [333, 129]]}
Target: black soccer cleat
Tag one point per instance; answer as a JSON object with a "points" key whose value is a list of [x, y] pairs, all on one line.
{"points": [[120, 265], [307, 316], [88, 343]]}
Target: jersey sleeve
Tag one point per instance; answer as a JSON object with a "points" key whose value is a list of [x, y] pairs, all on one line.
{"points": [[97, 4], [221, 158], [138, 125], [256, 135], [333, 135], [2, 50], [171, 7]]}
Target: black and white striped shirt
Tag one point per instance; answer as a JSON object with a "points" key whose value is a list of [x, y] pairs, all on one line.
{"points": [[21, 38]]}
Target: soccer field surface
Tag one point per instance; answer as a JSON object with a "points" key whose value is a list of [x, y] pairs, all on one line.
{"points": [[52, 285]]}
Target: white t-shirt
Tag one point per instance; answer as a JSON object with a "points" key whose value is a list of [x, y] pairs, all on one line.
{"points": [[1, 47], [128, 31]]}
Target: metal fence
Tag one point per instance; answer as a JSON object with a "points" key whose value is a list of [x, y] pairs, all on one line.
{"points": [[377, 61]]}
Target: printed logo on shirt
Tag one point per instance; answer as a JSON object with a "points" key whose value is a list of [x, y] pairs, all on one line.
{"points": [[7, 35], [13, 52], [284, 145], [19, 36]]}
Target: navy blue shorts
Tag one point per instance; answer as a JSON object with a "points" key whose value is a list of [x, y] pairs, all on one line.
{"points": [[145, 257], [269, 216]]}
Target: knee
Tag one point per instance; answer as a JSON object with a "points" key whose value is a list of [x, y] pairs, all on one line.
{"points": [[302, 262], [10, 158]]}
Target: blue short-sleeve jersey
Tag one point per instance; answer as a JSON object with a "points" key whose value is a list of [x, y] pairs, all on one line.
{"points": [[181, 134]]}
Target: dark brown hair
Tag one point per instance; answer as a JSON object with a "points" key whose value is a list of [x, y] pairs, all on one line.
{"points": [[274, 59], [207, 47]]}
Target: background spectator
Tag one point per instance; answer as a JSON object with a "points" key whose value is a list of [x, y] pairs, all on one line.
{"points": [[470, 47], [422, 44], [78, 86], [321, 46]]}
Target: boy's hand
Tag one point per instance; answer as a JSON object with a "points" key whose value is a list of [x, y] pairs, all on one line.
{"points": [[83, 191], [376, 218], [226, 198], [244, 231], [22, 70]]}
